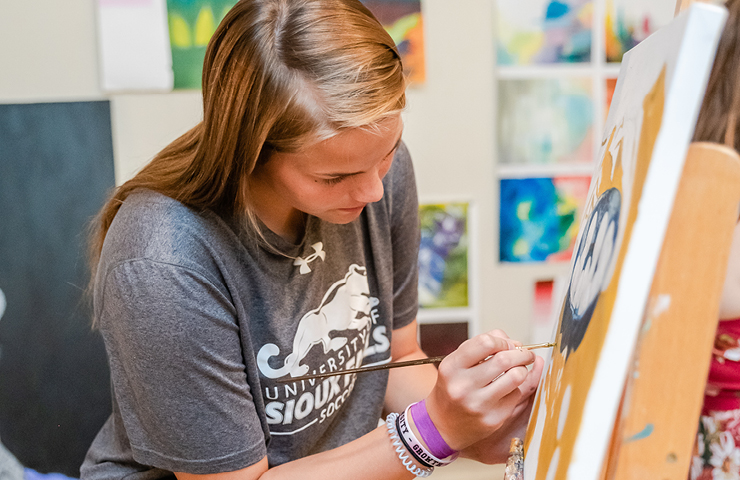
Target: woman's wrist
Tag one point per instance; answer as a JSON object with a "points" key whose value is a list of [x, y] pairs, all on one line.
{"points": [[424, 429]]}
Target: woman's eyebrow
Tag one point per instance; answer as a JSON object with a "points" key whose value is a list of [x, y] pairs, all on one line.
{"points": [[349, 174]]}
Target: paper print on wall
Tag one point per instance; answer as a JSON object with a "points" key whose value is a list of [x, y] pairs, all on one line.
{"points": [[133, 45], [403, 21], [443, 255], [628, 22], [192, 24], [539, 217], [545, 121], [543, 31], [646, 137]]}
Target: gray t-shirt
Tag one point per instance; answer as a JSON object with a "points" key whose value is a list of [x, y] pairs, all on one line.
{"points": [[200, 320]]}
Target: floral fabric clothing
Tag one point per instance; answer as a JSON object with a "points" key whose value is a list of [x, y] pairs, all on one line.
{"points": [[717, 450], [723, 384]]}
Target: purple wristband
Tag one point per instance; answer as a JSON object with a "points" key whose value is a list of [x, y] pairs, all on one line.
{"points": [[429, 433]]}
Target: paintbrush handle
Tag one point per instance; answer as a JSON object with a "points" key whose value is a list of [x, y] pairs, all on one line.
{"points": [[386, 366], [372, 368]]}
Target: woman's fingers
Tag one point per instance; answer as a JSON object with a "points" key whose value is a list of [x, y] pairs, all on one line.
{"points": [[488, 371], [479, 348]]}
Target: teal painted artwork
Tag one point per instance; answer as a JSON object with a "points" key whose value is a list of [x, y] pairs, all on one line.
{"points": [[192, 24], [443, 255], [543, 31], [545, 121], [539, 218]]}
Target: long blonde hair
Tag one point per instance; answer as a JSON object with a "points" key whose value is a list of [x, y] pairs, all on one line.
{"points": [[278, 75]]}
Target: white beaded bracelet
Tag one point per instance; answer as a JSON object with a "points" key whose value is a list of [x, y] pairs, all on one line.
{"points": [[403, 454]]}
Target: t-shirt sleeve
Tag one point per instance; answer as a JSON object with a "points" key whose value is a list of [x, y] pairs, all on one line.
{"points": [[178, 370], [405, 234]]}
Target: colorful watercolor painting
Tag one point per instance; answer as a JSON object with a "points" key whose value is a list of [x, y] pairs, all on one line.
{"points": [[545, 121], [543, 31], [539, 217], [443, 255], [646, 137], [404, 22], [628, 22], [192, 24]]}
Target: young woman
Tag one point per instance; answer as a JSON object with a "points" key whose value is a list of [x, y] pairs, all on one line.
{"points": [[718, 445], [275, 239]]}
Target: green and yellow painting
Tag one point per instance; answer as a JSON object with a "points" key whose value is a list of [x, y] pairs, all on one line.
{"points": [[192, 24]]}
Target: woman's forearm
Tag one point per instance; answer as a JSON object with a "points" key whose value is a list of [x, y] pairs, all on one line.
{"points": [[370, 457]]}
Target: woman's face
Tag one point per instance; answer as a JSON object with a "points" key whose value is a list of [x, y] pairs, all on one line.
{"points": [[332, 180]]}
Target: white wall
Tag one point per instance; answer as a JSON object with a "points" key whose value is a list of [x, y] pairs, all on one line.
{"points": [[48, 53]]}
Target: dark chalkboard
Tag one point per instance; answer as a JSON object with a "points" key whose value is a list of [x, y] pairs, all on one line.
{"points": [[56, 167]]}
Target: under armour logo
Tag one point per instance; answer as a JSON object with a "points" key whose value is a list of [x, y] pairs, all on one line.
{"points": [[319, 252]]}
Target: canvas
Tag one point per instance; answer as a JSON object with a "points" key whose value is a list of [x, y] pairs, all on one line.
{"points": [[443, 255], [545, 121], [403, 20], [543, 31], [191, 26], [538, 219], [647, 133], [628, 22]]}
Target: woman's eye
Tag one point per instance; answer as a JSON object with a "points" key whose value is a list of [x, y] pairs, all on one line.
{"points": [[333, 180]]}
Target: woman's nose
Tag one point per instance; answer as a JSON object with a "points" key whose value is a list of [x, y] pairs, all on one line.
{"points": [[369, 188]]}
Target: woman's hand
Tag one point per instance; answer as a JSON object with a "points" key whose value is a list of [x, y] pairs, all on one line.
{"points": [[495, 448], [475, 396]]}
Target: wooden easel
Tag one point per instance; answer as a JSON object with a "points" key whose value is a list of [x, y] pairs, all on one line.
{"points": [[658, 419], [655, 431]]}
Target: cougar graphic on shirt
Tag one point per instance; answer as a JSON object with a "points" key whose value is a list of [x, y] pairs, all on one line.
{"points": [[346, 306]]}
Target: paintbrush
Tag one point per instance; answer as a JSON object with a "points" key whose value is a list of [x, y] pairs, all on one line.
{"points": [[386, 366]]}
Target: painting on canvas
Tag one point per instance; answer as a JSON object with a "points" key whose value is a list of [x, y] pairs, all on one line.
{"points": [[646, 137], [628, 22], [192, 24], [543, 31], [443, 255], [545, 121], [538, 219], [402, 19]]}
